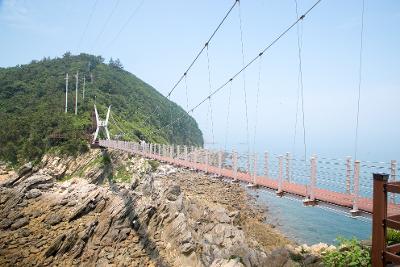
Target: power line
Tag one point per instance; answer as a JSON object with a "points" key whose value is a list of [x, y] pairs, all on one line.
{"points": [[87, 24], [202, 49], [359, 78], [126, 23], [106, 23], [246, 66]]}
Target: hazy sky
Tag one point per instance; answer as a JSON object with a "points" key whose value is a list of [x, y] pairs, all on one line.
{"points": [[162, 37]]}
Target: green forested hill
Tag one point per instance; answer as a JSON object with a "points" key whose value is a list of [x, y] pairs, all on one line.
{"points": [[32, 107]]}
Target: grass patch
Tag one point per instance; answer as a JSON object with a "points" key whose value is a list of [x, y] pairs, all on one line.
{"points": [[350, 252], [121, 175], [154, 164], [65, 178]]}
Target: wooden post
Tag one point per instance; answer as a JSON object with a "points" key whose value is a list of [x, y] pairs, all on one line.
{"points": [[379, 213], [348, 174]]}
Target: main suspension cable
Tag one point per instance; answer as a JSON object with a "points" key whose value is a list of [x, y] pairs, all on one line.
{"points": [[202, 49], [246, 66], [87, 24], [132, 15], [106, 23]]}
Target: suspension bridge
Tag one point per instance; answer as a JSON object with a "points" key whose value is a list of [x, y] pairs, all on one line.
{"points": [[343, 182]]}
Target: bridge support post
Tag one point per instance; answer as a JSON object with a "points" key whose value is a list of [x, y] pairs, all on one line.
{"points": [[185, 151], [266, 166], [348, 174], [393, 173], [234, 165], [195, 158], [280, 176], [379, 213], [171, 153], [254, 174], [355, 211], [220, 163], [310, 199], [248, 164], [206, 160], [288, 167]]}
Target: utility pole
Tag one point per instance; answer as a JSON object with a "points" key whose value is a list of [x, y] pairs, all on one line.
{"points": [[83, 92], [76, 93], [91, 78], [66, 93]]}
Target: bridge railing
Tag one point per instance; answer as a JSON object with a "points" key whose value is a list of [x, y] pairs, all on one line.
{"points": [[345, 182]]}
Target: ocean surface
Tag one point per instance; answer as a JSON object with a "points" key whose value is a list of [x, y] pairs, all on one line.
{"points": [[322, 223], [310, 225]]}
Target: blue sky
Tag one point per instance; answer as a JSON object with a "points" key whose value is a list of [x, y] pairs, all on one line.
{"points": [[162, 38]]}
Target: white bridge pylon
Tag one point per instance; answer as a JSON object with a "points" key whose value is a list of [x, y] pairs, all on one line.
{"points": [[100, 124]]}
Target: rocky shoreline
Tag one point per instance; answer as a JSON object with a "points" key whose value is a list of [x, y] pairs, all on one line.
{"points": [[108, 208]]}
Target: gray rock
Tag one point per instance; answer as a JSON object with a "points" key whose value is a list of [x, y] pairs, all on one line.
{"points": [[54, 218], [19, 223], [5, 223], [89, 231], [25, 232], [135, 182], [69, 242], [14, 215], [173, 192], [310, 259], [26, 168], [86, 207], [187, 248], [34, 193], [35, 181], [278, 257], [55, 246]]}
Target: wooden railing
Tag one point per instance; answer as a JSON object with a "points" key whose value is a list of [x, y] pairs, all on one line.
{"points": [[382, 253]]}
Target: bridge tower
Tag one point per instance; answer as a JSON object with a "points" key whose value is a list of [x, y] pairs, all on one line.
{"points": [[101, 125]]}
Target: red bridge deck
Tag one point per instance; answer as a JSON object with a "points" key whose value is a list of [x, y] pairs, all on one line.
{"points": [[324, 195]]}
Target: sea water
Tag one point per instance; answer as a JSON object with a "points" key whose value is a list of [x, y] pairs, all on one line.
{"points": [[310, 225], [321, 223]]}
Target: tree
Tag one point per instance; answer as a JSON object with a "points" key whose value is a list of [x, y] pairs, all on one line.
{"points": [[116, 64]]}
